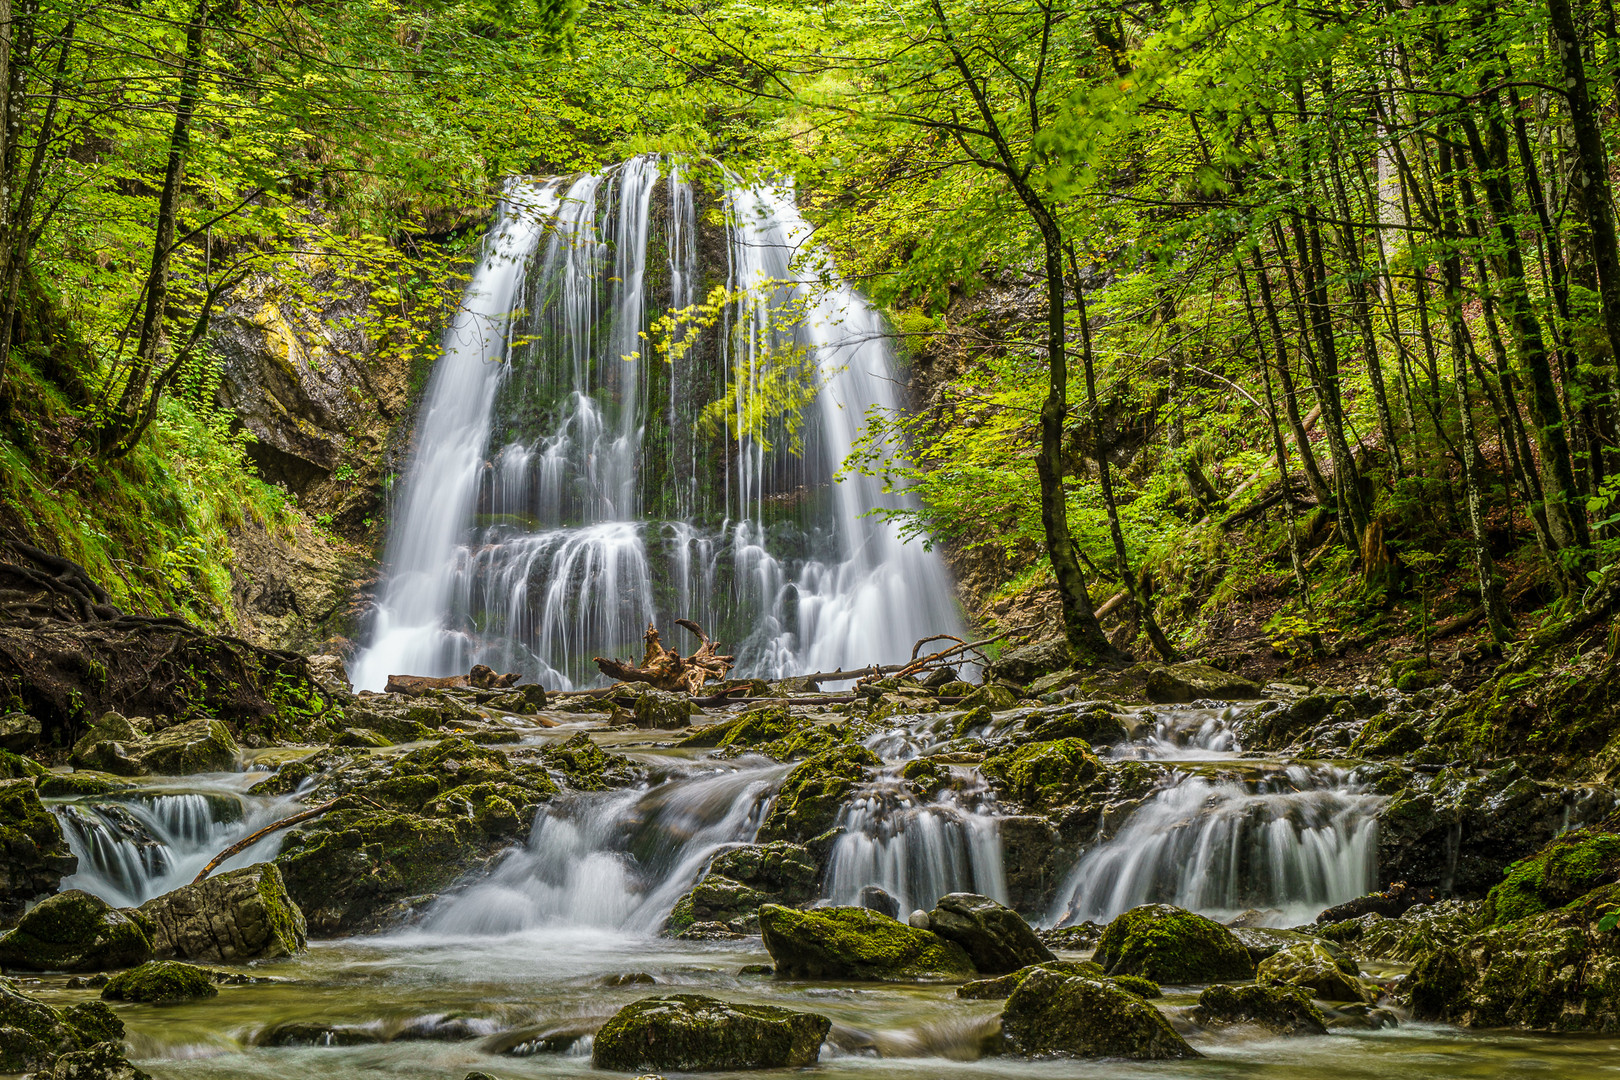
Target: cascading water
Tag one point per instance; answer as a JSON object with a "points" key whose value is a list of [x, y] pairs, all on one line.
{"points": [[137, 846], [565, 491], [1286, 843]]}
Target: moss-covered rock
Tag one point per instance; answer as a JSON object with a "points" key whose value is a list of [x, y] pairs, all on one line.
{"points": [[1002, 986], [1171, 945], [810, 797], [1135, 984], [992, 934], [77, 785], [664, 711], [1310, 966], [32, 1033], [103, 1061], [1285, 1010], [587, 767], [738, 881], [240, 915], [856, 943], [692, 1033], [34, 857], [1090, 723], [1193, 681], [926, 776], [195, 747], [1071, 1015], [752, 728], [1570, 867], [1028, 662], [1043, 776], [993, 697], [1556, 971], [74, 931], [160, 982]]}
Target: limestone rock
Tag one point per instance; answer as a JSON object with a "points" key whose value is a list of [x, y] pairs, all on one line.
{"points": [[1193, 681], [19, 732], [1053, 1014], [738, 881], [1002, 986], [239, 915], [200, 746], [664, 711], [880, 901], [992, 934], [587, 767], [808, 802], [1285, 1010], [160, 981], [1028, 662], [692, 1033], [1044, 775], [856, 943], [103, 1061], [1310, 966], [331, 673], [34, 858], [1171, 945], [74, 931]]}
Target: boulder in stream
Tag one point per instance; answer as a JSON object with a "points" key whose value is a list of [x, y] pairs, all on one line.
{"points": [[992, 934], [738, 881], [808, 802], [1001, 987], [1171, 945], [34, 857], [239, 915], [1283, 1010], [692, 1033], [856, 943], [1311, 966], [1072, 1015], [1193, 681], [196, 747], [74, 931], [160, 982]]}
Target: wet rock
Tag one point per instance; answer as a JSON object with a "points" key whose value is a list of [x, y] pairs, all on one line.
{"points": [[879, 900], [1568, 868], [992, 934], [1053, 1014], [1193, 681], [920, 920], [74, 931], [200, 746], [738, 881], [1285, 1010], [77, 785], [1310, 966], [808, 802], [587, 767], [1135, 984], [525, 699], [991, 696], [32, 1033], [1034, 861], [331, 673], [239, 915], [34, 857], [1074, 938], [752, 728], [1398, 899], [1403, 939], [111, 745], [19, 732], [1091, 724], [926, 776], [691, 1033], [1556, 971], [1002, 986], [159, 982], [360, 739], [315, 1033], [1029, 662], [664, 711], [103, 1061], [756, 969], [855, 943], [1044, 775], [1171, 945], [1264, 942]]}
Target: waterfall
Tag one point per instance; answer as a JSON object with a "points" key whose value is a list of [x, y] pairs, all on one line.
{"points": [[615, 861], [562, 493], [132, 848]]}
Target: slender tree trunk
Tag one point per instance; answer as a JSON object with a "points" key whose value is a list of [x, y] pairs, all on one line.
{"points": [[1279, 447], [1307, 460]]}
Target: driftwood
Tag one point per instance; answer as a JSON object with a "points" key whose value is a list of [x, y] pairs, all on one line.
{"points": [[275, 826], [479, 678], [666, 669]]}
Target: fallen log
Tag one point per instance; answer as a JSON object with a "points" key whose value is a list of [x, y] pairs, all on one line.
{"points": [[479, 678], [666, 669]]}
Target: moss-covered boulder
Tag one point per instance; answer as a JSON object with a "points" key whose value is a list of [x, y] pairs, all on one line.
{"points": [[1310, 966], [856, 943], [1171, 945], [233, 917], [160, 982], [34, 857], [1090, 723], [1284, 1010], [584, 766], [103, 1061], [1002, 986], [1071, 1015], [1570, 867], [1556, 971], [664, 711], [74, 931], [1028, 662], [1045, 775], [813, 792], [1193, 681], [33, 1035], [195, 747], [76, 785], [1135, 984], [692, 1033], [752, 728], [738, 881], [991, 933]]}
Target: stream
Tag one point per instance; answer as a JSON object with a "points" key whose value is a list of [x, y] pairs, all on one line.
{"points": [[511, 974]]}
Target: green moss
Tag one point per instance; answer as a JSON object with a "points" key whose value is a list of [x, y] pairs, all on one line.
{"points": [[760, 725], [1002, 986], [1285, 1010], [285, 780], [75, 785], [1171, 945], [160, 982], [1043, 775], [1137, 985], [31, 1032], [1052, 1014], [74, 931], [856, 943], [93, 1022], [928, 776], [1569, 867], [17, 767], [412, 791], [810, 797], [691, 1033], [587, 767]]}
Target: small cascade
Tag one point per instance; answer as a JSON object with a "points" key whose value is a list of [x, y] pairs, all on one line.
{"points": [[570, 483], [138, 846], [917, 850], [616, 861]]}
